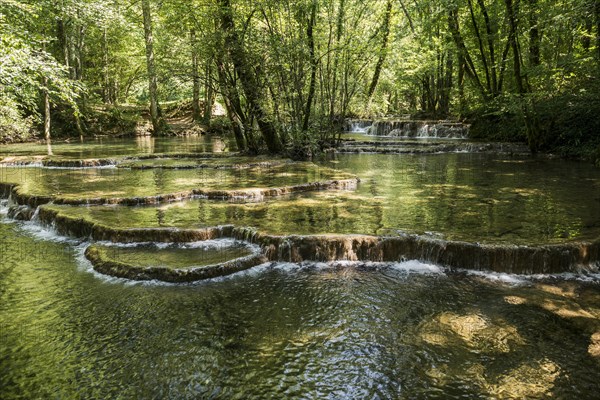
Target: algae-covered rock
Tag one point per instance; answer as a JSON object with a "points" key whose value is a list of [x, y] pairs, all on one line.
{"points": [[107, 261]]}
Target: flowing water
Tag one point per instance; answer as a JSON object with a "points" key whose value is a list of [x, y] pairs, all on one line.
{"points": [[340, 330]]}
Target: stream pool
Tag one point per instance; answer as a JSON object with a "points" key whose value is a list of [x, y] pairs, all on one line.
{"points": [[406, 329]]}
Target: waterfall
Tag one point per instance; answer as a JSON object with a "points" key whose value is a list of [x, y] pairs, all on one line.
{"points": [[3, 206], [409, 128], [358, 125], [36, 214]]}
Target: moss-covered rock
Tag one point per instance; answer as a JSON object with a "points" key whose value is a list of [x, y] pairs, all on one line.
{"points": [[103, 263]]}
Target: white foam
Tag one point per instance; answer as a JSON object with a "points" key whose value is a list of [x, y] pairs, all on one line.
{"points": [[412, 266], [510, 279], [110, 166], [357, 128], [4, 207], [23, 164], [587, 277], [43, 232], [418, 267], [525, 279]]}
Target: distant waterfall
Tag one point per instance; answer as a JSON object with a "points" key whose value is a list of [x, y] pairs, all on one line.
{"points": [[410, 128], [358, 125]]}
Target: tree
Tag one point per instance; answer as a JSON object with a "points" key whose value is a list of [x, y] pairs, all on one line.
{"points": [[158, 124], [248, 78]]}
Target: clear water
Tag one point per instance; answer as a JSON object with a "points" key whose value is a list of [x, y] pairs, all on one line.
{"points": [[111, 147], [117, 182], [406, 330], [176, 256], [285, 331], [471, 197]]}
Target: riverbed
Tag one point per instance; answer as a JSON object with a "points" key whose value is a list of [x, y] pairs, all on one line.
{"points": [[339, 329]]}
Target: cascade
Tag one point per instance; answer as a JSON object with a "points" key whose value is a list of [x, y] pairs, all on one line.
{"points": [[409, 128]]}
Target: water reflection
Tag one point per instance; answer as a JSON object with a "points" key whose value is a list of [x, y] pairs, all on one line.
{"points": [[145, 144], [406, 330]]}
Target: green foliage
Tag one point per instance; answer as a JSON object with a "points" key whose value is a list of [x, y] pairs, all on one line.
{"points": [[220, 125], [14, 126], [443, 59]]}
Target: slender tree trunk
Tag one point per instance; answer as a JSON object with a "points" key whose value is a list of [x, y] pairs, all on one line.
{"points": [[79, 53], [534, 34], [407, 15], [484, 61], [195, 77], [529, 115], [503, 66], [444, 103], [63, 44], [512, 38], [461, 84], [491, 47], [80, 64], [232, 105], [336, 60], [46, 100], [105, 70], [313, 66], [157, 123], [469, 66], [46, 110], [385, 28], [209, 94], [247, 78], [597, 17]]}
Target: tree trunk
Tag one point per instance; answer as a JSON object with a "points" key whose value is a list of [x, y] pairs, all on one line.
{"points": [[313, 66], [534, 34], [385, 28], [195, 77], [79, 73], [486, 69], [247, 78], [529, 115], [469, 66], [46, 110], [597, 17], [236, 125], [491, 47], [209, 94], [232, 105], [63, 44], [336, 60], [157, 122], [105, 70], [444, 103], [512, 38], [461, 85]]}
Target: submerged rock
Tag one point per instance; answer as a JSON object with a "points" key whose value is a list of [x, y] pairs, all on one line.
{"points": [[433, 148], [21, 197], [102, 262], [568, 257], [21, 212], [542, 259]]}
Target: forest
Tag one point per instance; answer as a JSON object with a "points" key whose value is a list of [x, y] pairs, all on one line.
{"points": [[288, 73], [299, 199]]}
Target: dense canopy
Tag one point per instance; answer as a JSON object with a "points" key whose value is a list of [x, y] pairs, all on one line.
{"points": [[289, 72]]}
